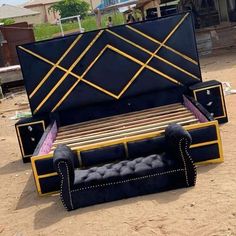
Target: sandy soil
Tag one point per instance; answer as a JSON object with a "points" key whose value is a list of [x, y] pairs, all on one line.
{"points": [[207, 209]]}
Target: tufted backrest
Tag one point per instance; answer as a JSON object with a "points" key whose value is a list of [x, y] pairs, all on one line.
{"points": [[125, 169]]}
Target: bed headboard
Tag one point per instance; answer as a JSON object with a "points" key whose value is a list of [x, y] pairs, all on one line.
{"points": [[113, 70]]}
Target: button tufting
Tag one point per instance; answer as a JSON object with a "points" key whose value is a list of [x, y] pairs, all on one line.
{"points": [[122, 168]]}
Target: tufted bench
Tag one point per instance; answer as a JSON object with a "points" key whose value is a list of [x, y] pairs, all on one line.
{"points": [[155, 173]]}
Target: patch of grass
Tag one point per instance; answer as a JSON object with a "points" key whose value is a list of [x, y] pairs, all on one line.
{"points": [[47, 31]]}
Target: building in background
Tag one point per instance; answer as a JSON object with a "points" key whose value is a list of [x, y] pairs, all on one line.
{"points": [[11, 36], [19, 14], [47, 16], [42, 6]]}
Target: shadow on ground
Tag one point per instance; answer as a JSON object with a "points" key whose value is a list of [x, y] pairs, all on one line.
{"points": [[29, 196], [56, 212], [14, 167]]}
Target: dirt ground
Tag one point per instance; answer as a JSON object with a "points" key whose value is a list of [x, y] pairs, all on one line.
{"points": [[207, 209]]}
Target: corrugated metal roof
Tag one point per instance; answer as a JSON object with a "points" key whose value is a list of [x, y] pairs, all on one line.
{"points": [[9, 11]]}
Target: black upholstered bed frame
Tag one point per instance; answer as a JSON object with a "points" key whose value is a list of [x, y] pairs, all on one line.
{"points": [[206, 148], [116, 72]]}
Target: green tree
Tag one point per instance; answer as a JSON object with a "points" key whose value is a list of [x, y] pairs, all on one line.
{"points": [[7, 21], [68, 8]]}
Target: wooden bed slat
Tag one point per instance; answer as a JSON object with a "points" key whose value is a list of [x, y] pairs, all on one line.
{"points": [[144, 129], [119, 117]]}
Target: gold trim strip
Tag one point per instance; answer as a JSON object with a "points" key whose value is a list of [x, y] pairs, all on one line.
{"points": [[84, 80], [49, 193], [44, 59], [74, 85], [206, 88], [55, 66], [33, 123], [173, 30], [204, 144], [65, 96], [144, 65], [39, 57], [158, 42], [103, 90], [99, 88], [94, 61], [71, 73], [47, 175], [35, 173], [220, 142], [150, 53], [154, 53], [211, 161], [19, 137], [44, 156], [68, 72], [221, 97]]}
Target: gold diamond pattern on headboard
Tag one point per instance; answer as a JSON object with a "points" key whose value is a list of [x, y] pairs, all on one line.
{"points": [[82, 77]]}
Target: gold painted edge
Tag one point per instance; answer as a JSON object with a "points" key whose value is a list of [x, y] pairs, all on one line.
{"points": [[19, 137], [221, 97]]}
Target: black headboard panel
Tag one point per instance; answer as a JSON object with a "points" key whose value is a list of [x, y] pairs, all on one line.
{"points": [[112, 66]]}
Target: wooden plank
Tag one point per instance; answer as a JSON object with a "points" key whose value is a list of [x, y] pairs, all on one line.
{"points": [[130, 132], [119, 121], [122, 126], [126, 115]]}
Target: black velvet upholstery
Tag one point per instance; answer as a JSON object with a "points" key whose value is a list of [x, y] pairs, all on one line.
{"points": [[171, 169], [63, 154], [210, 95], [29, 132], [101, 59], [175, 135]]}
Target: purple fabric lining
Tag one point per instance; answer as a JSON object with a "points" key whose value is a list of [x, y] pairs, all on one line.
{"points": [[47, 144], [194, 110]]}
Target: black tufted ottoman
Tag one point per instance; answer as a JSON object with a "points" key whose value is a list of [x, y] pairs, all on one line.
{"points": [[155, 173]]}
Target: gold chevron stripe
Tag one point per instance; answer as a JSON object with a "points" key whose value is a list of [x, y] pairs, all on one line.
{"points": [[143, 65], [55, 66], [68, 72], [150, 53], [81, 78], [172, 32], [71, 73], [85, 81], [103, 90], [156, 51], [42, 58], [65, 70], [38, 56], [165, 46]]}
